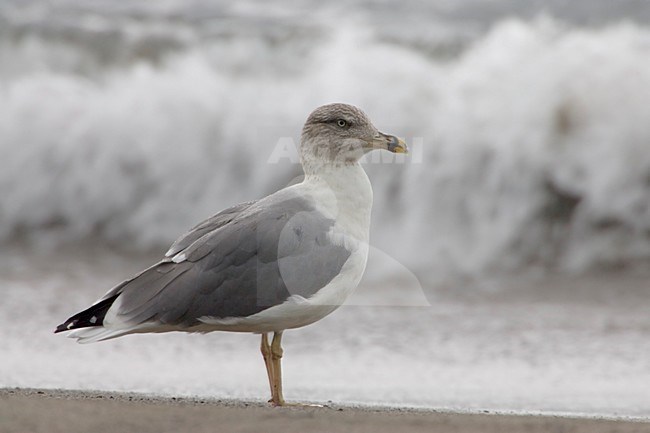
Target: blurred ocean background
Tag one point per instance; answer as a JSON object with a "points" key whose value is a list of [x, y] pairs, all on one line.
{"points": [[520, 224]]}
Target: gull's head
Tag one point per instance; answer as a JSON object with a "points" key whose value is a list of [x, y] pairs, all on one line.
{"points": [[341, 134]]}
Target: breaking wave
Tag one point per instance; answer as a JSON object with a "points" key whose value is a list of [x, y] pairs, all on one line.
{"points": [[531, 145]]}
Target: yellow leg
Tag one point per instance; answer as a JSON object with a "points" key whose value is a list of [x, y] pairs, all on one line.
{"points": [[273, 359], [266, 354], [276, 357]]}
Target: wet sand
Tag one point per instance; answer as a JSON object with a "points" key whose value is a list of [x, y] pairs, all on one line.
{"points": [[52, 411]]}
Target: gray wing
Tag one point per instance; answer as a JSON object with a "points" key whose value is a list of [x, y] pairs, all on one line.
{"points": [[242, 267], [211, 224]]}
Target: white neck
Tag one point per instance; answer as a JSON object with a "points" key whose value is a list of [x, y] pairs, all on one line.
{"points": [[344, 192]]}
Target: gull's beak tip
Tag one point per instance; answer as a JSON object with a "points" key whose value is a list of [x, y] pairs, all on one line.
{"points": [[397, 145]]}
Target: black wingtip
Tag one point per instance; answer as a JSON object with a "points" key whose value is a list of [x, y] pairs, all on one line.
{"points": [[71, 323], [63, 327], [92, 316]]}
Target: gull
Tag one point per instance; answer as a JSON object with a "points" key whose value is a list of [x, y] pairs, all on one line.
{"points": [[282, 262]]}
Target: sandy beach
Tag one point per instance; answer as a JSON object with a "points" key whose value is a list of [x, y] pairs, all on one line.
{"points": [[52, 411]]}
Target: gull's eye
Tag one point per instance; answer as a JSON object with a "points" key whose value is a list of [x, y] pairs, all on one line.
{"points": [[342, 123]]}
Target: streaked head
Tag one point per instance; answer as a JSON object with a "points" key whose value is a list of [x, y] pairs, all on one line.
{"points": [[342, 133]]}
